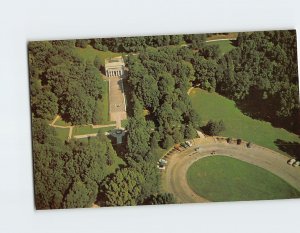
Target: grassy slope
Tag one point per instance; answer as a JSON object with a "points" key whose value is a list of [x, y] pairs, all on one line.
{"points": [[103, 105], [62, 133], [216, 107], [221, 178], [222, 36], [225, 45], [89, 53], [61, 122]]}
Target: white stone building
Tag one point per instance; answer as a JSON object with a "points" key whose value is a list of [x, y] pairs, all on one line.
{"points": [[114, 67]]}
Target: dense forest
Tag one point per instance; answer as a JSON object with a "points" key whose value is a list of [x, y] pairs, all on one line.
{"points": [[260, 74]]}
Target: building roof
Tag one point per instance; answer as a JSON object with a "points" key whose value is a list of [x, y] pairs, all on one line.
{"points": [[114, 62]]}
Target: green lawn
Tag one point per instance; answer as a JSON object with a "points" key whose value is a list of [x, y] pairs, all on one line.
{"points": [[80, 130], [89, 53], [103, 105], [124, 123], [221, 178], [216, 107], [62, 133], [62, 122], [225, 45]]}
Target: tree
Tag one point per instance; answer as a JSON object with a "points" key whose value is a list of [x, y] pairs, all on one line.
{"points": [[155, 138], [44, 105], [97, 62], [78, 196], [123, 188], [138, 133], [177, 135], [81, 43], [168, 142], [160, 199], [214, 127], [190, 132]]}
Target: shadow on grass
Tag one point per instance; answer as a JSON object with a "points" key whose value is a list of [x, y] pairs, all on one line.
{"points": [[257, 108], [291, 148]]}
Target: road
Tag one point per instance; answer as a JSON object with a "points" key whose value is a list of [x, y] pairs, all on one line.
{"points": [[174, 177]]}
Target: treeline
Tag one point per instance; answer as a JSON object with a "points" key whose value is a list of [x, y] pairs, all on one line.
{"points": [[62, 83], [140, 43]]}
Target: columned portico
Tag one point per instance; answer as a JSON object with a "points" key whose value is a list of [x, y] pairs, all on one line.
{"points": [[114, 67]]}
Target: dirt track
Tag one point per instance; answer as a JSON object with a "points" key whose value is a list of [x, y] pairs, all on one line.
{"points": [[175, 181]]}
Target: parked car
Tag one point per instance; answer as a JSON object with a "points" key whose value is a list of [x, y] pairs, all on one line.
{"points": [[291, 161], [161, 167], [163, 161], [188, 143], [296, 164], [184, 145], [177, 147]]}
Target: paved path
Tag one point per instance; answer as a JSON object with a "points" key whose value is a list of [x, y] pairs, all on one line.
{"points": [[220, 39], [117, 102], [102, 126], [55, 119], [70, 132], [52, 124], [85, 135], [175, 181]]}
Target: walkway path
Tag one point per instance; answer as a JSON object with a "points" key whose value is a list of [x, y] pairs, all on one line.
{"points": [[117, 102], [70, 135], [220, 39], [175, 181]]}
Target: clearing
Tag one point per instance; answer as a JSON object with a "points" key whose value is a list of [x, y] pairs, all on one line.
{"points": [[224, 45], [212, 106], [89, 53]]}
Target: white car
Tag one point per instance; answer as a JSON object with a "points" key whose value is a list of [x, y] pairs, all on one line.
{"points": [[291, 161], [189, 143], [161, 167], [296, 164], [163, 161]]}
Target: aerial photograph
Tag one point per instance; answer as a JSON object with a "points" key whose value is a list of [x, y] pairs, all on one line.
{"points": [[168, 119]]}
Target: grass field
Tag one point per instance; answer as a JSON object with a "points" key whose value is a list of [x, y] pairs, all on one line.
{"points": [[89, 53], [62, 133], [103, 105], [61, 122], [222, 36], [216, 107], [124, 123], [225, 45], [221, 178]]}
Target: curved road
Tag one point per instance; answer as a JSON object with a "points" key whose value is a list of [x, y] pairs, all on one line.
{"points": [[175, 181]]}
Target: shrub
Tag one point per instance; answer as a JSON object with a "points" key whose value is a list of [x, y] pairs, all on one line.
{"points": [[239, 141]]}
